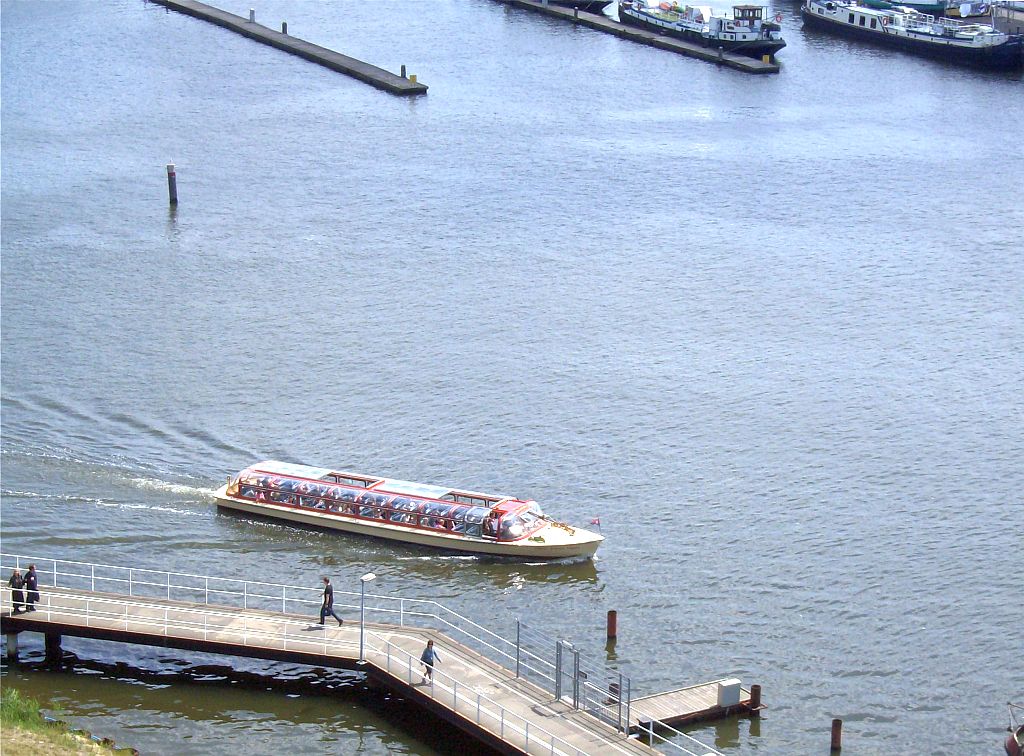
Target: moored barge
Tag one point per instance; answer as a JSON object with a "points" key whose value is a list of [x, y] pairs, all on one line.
{"points": [[747, 31], [398, 510], [943, 38]]}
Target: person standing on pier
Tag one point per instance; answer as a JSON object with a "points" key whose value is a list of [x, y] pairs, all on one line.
{"points": [[428, 658], [17, 582], [328, 605], [32, 588]]}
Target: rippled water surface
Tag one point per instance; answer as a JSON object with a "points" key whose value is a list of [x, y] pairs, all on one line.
{"points": [[768, 329]]}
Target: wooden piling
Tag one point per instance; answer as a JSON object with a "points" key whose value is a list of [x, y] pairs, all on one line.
{"points": [[53, 650], [613, 624], [837, 735], [755, 700], [172, 184], [284, 27], [12, 646]]}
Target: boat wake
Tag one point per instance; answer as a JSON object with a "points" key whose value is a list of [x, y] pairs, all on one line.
{"points": [[153, 484]]}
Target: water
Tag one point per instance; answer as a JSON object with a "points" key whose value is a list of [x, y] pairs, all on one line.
{"points": [[768, 329]]}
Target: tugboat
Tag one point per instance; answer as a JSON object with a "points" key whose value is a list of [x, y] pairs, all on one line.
{"points": [[746, 31], [922, 33]]}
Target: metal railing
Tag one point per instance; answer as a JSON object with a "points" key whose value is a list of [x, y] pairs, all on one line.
{"points": [[589, 691]]}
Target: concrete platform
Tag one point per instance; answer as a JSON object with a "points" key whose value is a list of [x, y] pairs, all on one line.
{"points": [[357, 69]]}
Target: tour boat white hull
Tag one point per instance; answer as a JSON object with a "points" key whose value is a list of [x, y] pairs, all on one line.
{"points": [[553, 541]]}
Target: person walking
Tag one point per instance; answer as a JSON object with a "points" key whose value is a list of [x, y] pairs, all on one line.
{"points": [[428, 658], [328, 605], [31, 588], [17, 582]]}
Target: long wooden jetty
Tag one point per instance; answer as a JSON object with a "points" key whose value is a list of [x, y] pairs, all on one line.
{"points": [[248, 27], [600, 22], [497, 690]]}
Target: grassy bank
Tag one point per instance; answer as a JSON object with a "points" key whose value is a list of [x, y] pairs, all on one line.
{"points": [[24, 731]]}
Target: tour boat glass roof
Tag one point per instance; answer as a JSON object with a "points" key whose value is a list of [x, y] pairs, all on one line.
{"points": [[299, 471], [413, 489]]}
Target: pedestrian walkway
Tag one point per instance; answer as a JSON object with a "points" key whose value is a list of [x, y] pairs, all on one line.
{"points": [[471, 687]]}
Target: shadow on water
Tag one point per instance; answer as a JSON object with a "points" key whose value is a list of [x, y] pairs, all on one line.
{"points": [[194, 689], [727, 732]]}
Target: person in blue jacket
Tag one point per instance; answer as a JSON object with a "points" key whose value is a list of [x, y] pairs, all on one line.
{"points": [[428, 658]]}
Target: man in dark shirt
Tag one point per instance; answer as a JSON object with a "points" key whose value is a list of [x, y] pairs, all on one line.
{"points": [[31, 588], [328, 605]]}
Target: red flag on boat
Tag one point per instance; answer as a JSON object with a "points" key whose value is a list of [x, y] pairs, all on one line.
{"points": [[596, 521]]}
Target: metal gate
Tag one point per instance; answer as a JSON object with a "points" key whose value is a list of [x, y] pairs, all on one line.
{"points": [[558, 667]]}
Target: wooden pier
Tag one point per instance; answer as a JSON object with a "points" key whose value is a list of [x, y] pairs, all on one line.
{"points": [[483, 699], [694, 703], [520, 693], [357, 69], [601, 22]]}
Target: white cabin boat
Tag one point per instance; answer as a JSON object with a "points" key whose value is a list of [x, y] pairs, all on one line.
{"points": [[747, 30], [416, 513], [906, 29]]}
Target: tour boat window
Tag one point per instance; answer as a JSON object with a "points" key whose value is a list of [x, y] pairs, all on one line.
{"points": [[351, 480], [851, 18], [474, 520], [862, 19], [464, 498], [872, 23]]}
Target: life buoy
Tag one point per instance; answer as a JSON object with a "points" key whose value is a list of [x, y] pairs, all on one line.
{"points": [[885, 20], [778, 18]]}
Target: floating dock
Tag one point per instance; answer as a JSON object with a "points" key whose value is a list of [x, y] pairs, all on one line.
{"points": [[601, 22], [248, 27], [694, 703]]}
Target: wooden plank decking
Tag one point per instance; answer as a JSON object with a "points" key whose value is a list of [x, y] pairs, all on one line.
{"points": [[684, 705], [473, 692]]}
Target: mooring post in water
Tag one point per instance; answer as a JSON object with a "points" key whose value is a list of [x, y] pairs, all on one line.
{"points": [[837, 735], [252, 15], [575, 13], [403, 70], [721, 54], [53, 652], [172, 184], [613, 624], [755, 700], [284, 27], [12, 646]]}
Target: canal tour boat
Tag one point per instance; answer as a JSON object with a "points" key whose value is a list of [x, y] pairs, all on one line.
{"points": [[746, 31], [399, 510], [943, 38]]}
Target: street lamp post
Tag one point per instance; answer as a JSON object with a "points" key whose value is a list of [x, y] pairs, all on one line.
{"points": [[362, 610]]}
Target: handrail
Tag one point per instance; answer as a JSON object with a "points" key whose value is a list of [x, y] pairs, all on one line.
{"points": [[101, 608], [251, 594], [503, 718], [259, 594]]}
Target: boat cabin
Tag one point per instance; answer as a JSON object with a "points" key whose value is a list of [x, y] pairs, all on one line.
{"points": [[383, 500], [747, 15]]}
